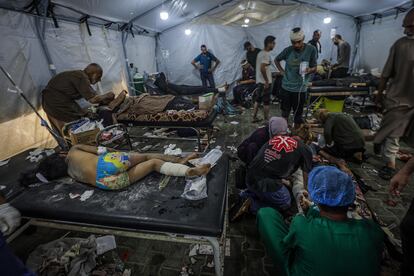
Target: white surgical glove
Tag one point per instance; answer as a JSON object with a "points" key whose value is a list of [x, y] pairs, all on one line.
{"points": [[9, 218]]}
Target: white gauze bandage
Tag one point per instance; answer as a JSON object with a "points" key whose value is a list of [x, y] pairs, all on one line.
{"points": [[297, 36], [174, 169]]}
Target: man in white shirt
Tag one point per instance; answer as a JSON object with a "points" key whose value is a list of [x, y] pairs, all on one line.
{"points": [[263, 78]]}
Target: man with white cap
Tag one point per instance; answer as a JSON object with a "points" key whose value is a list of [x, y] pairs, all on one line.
{"points": [[246, 84], [325, 241], [300, 61]]}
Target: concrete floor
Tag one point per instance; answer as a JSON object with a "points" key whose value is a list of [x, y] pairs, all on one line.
{"points": [[247, 254]]}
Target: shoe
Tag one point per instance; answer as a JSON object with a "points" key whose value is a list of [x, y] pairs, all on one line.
{"points": [[386, 173], [240, 208], [377, 149]]}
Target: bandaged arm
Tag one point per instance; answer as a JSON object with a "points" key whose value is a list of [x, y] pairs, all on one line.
{"points": [[174, 169]]}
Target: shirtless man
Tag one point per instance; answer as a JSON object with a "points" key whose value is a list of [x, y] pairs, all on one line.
{"points": [[109, 169]]}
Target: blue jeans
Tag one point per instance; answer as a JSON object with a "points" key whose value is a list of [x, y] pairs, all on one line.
{"points": [[279, 200], [9, 264], [206, 76]]}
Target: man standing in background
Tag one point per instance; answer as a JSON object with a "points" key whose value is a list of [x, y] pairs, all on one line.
{"points": [[341, 67], [251, 53], [316, 43], [294, 83], [263, 78], [203, 63], [398, 103]]}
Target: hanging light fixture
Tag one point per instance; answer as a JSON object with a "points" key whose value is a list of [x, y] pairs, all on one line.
{"points": [[246, 20], [187, 31], [327, 20], [164, 15], [245, 25]]}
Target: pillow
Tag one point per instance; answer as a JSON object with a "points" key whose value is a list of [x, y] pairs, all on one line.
{"points": [[115, 103]]}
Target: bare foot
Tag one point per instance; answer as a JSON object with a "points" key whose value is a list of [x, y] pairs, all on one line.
{"points": [[188, 158], [199, 170], [304, 201]]}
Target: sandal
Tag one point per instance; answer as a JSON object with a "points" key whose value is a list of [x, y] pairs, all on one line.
{"points": [[240, 208], [386, 173]]}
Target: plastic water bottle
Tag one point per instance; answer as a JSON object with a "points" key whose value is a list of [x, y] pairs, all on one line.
{"points": [[302, 68]]}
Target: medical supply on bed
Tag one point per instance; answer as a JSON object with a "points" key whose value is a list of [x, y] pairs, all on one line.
{"points": [[86, 125], [172, 150], [86, 195], [195, 188], [38, 154], [210, 158]]}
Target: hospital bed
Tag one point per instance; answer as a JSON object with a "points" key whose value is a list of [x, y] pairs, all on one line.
{"points": [[140, 211]]}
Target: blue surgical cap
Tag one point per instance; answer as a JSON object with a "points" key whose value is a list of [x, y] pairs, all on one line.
{"points": [[329, 186]]}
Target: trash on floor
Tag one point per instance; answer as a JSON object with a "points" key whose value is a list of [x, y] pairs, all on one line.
{"points": [[233, 149], [73, 196], [200, 249], [172, 150], [105, 244], [234, 122], [235, 134]]}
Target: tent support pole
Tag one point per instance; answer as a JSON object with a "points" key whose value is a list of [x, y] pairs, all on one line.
{"points": [[124, 50], [157, 49], [358, 24], [40, 33]]}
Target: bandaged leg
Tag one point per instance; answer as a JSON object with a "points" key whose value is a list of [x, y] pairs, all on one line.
{"points": [[174, 169], [297, 187], [391, 148]]}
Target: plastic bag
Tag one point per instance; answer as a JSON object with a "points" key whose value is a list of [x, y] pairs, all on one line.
{"points": [[195, 188]]}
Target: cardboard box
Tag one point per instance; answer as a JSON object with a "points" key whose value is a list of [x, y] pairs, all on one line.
{"points": [[86, 137]]}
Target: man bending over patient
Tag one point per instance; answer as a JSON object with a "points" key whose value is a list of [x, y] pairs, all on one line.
{"points": [[60, 95], [108, 169]]}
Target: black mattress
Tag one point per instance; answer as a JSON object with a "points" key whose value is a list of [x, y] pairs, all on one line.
{"points": [[141, 206], [207, 122], [327, 89], [10, 173]]}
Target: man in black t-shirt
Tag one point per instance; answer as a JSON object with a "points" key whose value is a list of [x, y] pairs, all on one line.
{"points": [[251, 53], [282, 157]]}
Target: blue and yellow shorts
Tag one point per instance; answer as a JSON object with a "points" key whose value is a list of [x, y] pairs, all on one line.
{"points": [[111, 171]]}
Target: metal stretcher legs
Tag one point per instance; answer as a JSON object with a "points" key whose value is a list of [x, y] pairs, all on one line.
{"points": [[217, 256]]}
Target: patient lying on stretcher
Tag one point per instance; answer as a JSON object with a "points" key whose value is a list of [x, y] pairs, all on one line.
{"points": [[108, 169]]}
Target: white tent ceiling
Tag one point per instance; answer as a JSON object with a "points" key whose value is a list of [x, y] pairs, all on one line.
{"points": [[145, 13]]}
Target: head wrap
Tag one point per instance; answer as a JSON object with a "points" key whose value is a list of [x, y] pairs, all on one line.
{"points": [[329, 186], [297, 36], [277, 125]]}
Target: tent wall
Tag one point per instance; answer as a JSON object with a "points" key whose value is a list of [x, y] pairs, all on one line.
{"points": [[176, 50], [377, 39], [71, 48], [141, 52]]}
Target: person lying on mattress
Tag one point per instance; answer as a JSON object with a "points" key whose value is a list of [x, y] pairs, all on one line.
{"points": [[324, 241], [343, 137], [146, 104], [108, 169], [282, 157], [167, 87]]}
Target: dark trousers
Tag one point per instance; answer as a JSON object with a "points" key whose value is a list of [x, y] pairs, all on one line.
{"points": [[407, 238], [293, 101], [240, 90], [339, 73], [9, 263], [180, 104], [206, 76]]}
